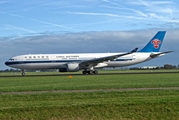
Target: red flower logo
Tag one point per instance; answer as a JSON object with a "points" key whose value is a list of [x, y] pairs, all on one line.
{"points": [[156, 43]]}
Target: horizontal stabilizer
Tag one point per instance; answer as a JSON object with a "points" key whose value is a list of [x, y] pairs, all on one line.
{"points": [[152, 55]]}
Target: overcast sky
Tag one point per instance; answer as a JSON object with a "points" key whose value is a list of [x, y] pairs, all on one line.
{"points": [[61, 26]]}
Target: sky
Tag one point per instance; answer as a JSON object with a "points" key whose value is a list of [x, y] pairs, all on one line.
{"points": [[87, 26]]}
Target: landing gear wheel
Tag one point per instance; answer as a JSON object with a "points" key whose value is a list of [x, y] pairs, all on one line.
{"points": [[23, 73], [90, 72], [84, 72], [95, 72]]}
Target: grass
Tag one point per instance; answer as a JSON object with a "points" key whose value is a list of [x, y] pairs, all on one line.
{"points": [[41, 83], [154, 104], [124, 105]]}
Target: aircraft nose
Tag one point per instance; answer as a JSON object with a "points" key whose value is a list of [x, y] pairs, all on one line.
{"points": [[6, 63]]}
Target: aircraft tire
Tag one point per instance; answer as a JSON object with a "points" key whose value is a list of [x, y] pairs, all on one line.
{"points": [[95, 72], [84, 72], [90, 72], [23, 73]]}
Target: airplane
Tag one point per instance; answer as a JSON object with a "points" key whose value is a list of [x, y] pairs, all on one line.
{"points": [[89, 62]]}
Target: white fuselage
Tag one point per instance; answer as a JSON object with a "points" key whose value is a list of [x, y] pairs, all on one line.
{"points": [[56, 61]]}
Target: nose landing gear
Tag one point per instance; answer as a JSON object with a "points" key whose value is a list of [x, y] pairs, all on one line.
{"points": [[23, 72]]}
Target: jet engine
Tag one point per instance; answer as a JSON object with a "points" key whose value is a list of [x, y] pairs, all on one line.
{"points": [[70, 67]]}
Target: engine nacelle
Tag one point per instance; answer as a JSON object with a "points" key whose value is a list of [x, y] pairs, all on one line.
{"points": [[62, 70], [73, 67], [70, 67]]}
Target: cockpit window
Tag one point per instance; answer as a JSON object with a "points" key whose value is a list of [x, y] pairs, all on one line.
{"points": [[11, 59]]}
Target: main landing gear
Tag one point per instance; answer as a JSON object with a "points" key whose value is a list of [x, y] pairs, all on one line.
{"points": [[90, 72]]}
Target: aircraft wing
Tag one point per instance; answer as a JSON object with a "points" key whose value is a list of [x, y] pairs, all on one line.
{"points": [[153, 55], [94, 62]]}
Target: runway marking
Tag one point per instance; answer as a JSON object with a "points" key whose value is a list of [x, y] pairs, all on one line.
{"points": [[88, 91]]}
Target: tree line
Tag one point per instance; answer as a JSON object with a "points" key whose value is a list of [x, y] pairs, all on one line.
{"points": [[166, 66]]}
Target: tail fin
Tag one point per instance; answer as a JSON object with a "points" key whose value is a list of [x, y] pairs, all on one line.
{"points": [[155, 43]]}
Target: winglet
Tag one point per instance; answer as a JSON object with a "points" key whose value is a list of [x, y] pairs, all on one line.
{"points": [[155, 43]]}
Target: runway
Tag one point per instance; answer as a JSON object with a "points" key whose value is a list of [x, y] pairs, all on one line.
{"points": [[80, 74]]}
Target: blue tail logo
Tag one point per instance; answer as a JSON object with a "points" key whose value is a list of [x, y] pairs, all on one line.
{"points": [[155, 43]]}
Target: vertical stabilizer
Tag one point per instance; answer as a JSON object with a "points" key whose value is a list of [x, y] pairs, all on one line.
{"points": [[155, 43]]}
